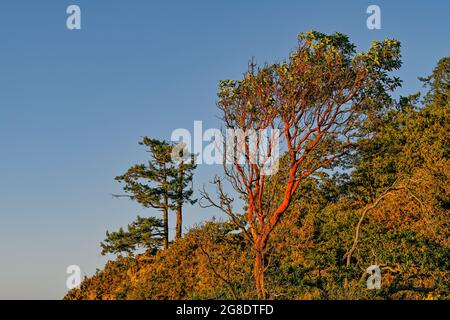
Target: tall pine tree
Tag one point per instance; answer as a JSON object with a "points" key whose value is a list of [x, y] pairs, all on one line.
{"points": [[181, 184], [163, 183], [149, 183]]}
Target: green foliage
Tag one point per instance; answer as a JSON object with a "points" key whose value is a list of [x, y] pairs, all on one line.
{"points": [[438, 83], [161, 183], [145, 233], [394, 187], [148, 183]]}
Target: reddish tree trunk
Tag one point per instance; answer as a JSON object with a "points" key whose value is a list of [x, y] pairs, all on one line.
{"points": [[258, 270]]}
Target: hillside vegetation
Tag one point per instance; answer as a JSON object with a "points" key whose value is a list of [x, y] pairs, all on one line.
{"points": [[386, 202]]}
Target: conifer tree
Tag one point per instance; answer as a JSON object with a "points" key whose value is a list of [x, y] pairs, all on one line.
{"points": [[181, 184], [145, 233], [149, 183]]}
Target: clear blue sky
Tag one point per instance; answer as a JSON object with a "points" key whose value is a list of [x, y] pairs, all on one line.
{"points": [[73, 104]]}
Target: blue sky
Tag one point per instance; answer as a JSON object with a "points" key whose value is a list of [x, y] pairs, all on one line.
{"points": [[73, 104]]}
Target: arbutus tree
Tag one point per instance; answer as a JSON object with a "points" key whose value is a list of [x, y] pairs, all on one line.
{"points": [[320, 99]]}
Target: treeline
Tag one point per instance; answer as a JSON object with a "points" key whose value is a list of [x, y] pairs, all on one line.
{"points": [[364, 181]]}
